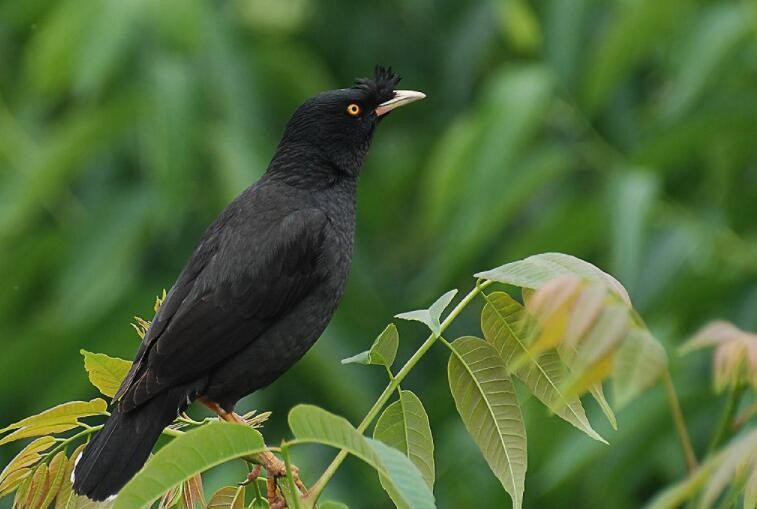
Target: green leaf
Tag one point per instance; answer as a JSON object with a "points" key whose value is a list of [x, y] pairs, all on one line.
{"points": [[54, 480], [502, 164], [633, 194], [105, 372], [707, 47], [608, 331], [537, 270], [432, 315], [750, 492], [405, 475], [171, 498], [360, 358], [107, 43], [185, 456], [37, 487], [21, 493], [637, 365], [505, 324], [520, 24], [258, 503], [629, 36], [382, 352], [17, 469], [733, 464], [592, 360], [82, 502], [228, 497], [404, 425], [312, 424], [66, 495], [192, 493], [485, 399], [598, 393], [13, 479], [54, 420]]}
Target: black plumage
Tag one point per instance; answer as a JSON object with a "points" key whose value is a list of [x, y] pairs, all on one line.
{"points": [[260, 287]]}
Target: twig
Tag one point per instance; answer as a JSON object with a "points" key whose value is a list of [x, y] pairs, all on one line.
{"points": [[290, 477], [680, 422], [729, 410]]}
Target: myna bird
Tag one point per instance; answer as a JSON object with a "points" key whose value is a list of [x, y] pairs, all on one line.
{"points": [[259, 288]]}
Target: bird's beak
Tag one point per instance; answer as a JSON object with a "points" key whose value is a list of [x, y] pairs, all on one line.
{"points": [[401, 98]]}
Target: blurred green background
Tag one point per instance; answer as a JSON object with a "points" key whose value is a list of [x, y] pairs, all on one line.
{"points": [[623, 132]]}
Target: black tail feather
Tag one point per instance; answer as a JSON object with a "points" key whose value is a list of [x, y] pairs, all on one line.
{"points": [[122, 446]]}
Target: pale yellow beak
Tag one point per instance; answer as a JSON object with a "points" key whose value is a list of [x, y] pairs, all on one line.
{"points": [[401, 98]]}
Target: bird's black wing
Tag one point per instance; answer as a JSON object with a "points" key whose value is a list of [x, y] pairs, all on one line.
{"points": [[246, 272]]}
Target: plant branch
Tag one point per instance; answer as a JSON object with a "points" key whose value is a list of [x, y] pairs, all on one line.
{"points": [[680, 423], [724, 426], [320, 484], [290, 477], [64, 442]]}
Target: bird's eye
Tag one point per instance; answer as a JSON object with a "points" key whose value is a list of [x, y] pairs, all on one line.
{"points": [[353, 110]]}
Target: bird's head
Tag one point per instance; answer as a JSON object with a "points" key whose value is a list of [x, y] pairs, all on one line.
{"points": [[339, 124]]}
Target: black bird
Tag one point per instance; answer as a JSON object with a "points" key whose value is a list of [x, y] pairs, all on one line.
{"points": [[259, 288]]}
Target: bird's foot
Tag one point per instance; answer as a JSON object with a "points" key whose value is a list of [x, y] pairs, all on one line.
{"points": [[252, 476], [276, 469]]}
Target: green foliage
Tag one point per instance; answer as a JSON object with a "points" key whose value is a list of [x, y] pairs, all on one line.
{"points": [[506, 327], [536, 271], [186, 456], [228, 497], [431, 316], [576, 329], [621, 132], [60, 418], [18, 468], [486, 401], [105, 372], [382, 352], [402, 479], [404, 426], [735, 465], [735, 358], [637, 364]]}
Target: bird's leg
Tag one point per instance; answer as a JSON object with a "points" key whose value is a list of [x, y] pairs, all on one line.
{"points": [[253, 475], [274, 467]]}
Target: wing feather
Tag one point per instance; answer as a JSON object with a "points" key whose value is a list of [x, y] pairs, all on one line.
{"points": [[231, 290]]}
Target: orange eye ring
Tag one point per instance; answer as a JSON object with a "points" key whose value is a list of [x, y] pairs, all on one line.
{"points": [[353, 110]]}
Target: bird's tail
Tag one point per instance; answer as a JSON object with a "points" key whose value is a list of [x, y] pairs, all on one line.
{"points": [[122, 446]]}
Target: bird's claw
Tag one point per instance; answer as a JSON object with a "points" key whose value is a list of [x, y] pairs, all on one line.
{"points": [[252, 476], [279, 503], [276, 469]]}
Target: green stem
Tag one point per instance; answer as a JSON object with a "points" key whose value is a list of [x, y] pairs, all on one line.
{"points": [[87, 431], [724, 426], [290, 479], [680, 422], [391, 379], [172, 432], [320, 484]]}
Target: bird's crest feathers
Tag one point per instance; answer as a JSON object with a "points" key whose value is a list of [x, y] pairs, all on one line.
{"points": [[382, 85]]}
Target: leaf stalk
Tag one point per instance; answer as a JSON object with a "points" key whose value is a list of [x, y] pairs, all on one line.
{"points": [[680, 423]]}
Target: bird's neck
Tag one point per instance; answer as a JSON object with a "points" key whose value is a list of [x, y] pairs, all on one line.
{"points": [[307, 165]]}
